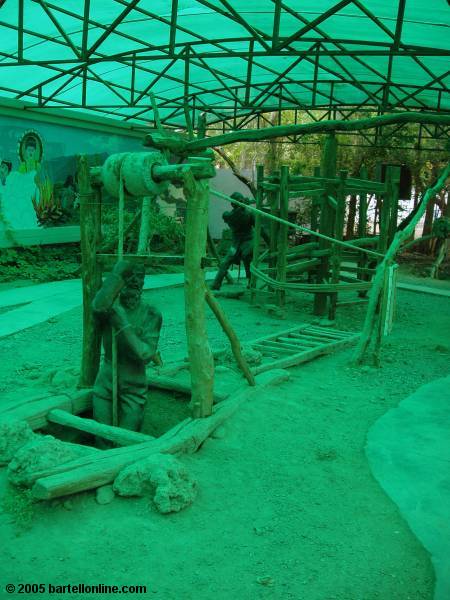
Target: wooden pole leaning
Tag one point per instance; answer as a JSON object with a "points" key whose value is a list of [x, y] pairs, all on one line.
{"points": [[231, 334], [90, 275], [379, 279]]}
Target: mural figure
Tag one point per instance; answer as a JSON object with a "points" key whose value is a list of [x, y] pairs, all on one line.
{"points": [[30, 151], [5, 170]]}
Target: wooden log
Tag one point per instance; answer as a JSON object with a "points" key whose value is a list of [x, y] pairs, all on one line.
{"points": [[377, 284], [122, 437], [332, 126], [33, 408], [231, 335], [201, 362], [101, 469], [90, 275], [171, 384]]}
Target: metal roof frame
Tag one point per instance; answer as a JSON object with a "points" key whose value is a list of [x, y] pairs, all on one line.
{"points": [[231, 98]]}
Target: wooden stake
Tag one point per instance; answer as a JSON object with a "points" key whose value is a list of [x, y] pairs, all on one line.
{"points": [[90, 274]]}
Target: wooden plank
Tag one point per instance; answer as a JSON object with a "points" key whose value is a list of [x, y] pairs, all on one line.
{"points": [[34, 411]]}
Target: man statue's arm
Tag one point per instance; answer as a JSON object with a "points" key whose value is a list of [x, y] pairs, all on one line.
{"points": [[114, 282], [142, 348]]}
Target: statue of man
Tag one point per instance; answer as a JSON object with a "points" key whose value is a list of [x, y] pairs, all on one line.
{"points": [[136, 325], [241, 222]]}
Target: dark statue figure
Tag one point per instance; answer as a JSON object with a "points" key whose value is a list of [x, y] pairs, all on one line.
{"points": [[241, 222], [137, 327]]}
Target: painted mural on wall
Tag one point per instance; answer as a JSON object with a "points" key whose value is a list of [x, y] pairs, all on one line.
{"points": [[38, 179]]}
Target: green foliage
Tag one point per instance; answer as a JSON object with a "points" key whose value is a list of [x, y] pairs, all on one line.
{"points": [[39, 263], [167, 234]]}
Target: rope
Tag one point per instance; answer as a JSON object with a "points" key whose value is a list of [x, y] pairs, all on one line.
{"points": [[295, 226], [325, 288]]}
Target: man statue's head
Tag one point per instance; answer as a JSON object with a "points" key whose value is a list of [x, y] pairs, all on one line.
{"points": [[130, 295]]}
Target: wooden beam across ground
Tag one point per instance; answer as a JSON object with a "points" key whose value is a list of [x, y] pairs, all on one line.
{"points": [[118, 435]]}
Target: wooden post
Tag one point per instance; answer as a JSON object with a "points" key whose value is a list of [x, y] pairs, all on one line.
{"points": [[393, 203], [328, 169], [274, 225], [362, 229], [90, 275], [257, 235], [201, 362], [283, 234], [338, 234]]}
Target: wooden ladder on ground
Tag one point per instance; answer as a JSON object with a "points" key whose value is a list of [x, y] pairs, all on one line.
{"points": [[298, 345]]}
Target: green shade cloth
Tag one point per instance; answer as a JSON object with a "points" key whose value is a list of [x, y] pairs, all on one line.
{"points": [[226, 57]]}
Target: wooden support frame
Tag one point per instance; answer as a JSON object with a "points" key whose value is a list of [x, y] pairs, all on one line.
{"points": [[201, 361], [328, 170]]}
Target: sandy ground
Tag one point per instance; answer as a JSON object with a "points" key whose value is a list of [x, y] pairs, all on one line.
{"points": [[287, 505]]}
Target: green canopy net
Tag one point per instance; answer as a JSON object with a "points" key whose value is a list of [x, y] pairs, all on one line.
{"points": [[224, 58]]}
